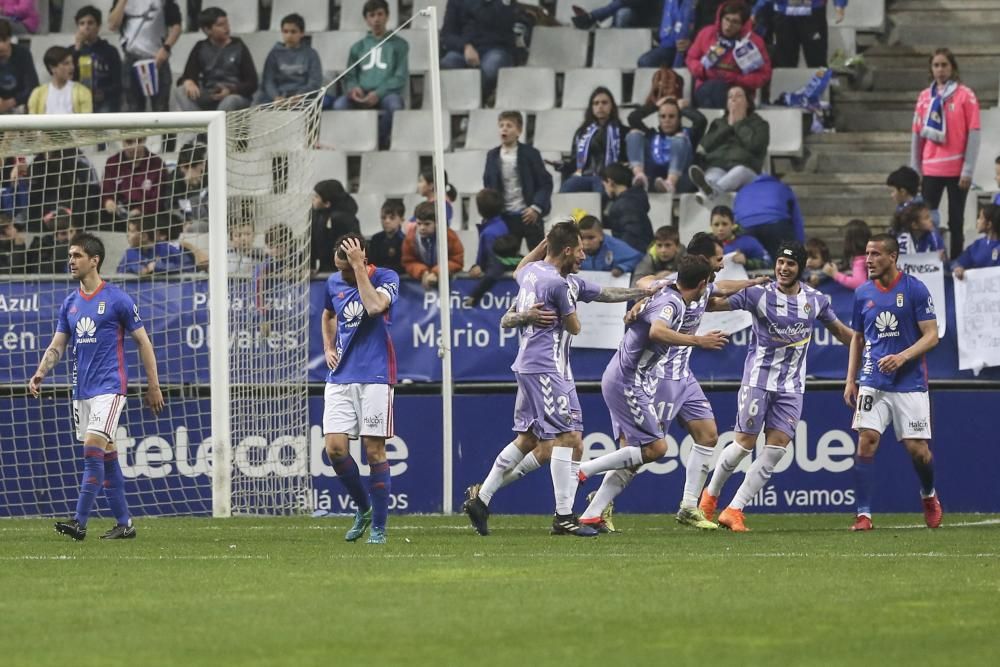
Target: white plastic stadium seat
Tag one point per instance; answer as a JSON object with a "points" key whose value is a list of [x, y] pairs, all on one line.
{"points": [[252, 173], [621, 47], [465, 170], [563, 204], [867, 15], [482, 132], [554, 129], [389, 172], [786, 131], [530, 88], [461, 90], [580, 83], [983, 176], [661, 208], [370, 212], [558, 48], [556, 175], [286, 129], [418, 60], [413, 130], [470, 243], [115, 244], [440, 4], [352, 18], [323, 165], [315, 13], [182, 51], [644, 80], [243, 17], [334, 47], [351, 131], [260, 44]]}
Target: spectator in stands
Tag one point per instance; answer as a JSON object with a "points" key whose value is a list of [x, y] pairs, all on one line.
{"points": [[505, 255], [242, 256], [660, 157], [426, 189], [15, 189], [479, 33], [14, 256], [385, 249], [768, 210], [21, 14], [749, 252], [627, 215], [706, 13], [856, 237], [132, 179], [674, 36], [662, 258], [604, 252], [517, 171], [64, 175], [904, 188], [625, 14], [334, 213], [220, 73], [292, 67], [146, 255], [379, 82], [800, 24], [96, 64], [276, 278], [489, 204], [914, 231], [946, 142], [985, 251], [185, 192], [17, 73], [600, 140], [735, 147], [49, 251], [149, 30], [725, 54], [996, 178], [817, 256], [61, 94], [420, 248]]}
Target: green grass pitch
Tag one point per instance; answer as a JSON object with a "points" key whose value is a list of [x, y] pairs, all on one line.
{"points": [[798, 590]]}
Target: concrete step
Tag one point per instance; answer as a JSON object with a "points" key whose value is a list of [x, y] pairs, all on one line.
{"points": [[841, 204], [913, 79], [944, 31], [963, 15], [908, 56], [936, 6], [830, 228], [839, 138], [879, 162], [899, 99], [857, 118], [846, 180]]}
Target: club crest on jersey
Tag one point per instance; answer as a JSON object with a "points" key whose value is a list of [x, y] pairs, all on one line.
{"points": [[808, 309], [899, 299], [100, 308]]}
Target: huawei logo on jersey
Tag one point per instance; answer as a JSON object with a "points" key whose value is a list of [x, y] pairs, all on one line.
{"points": [[353, 313], [85, 330], [886, 324]]}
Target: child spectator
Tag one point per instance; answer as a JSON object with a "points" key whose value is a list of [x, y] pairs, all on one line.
{"points": [[490, 265], [96, 64], [385, 249], [49, 252], [380, 82], [817, 256], [61, 94], [661, 259], [146, 255], [604, 252], [660, 157], [749, 251], [725, 54], [599, 141], [904, 189], [426, 189], [17, 73], [15, 189], [242, 256], [185, 192], [132, 179], [292, 68], [420, 248], [334, 213], [504, 258], [983, 252], [735, 147], [856, 237], [275, 278], [220, 72], [914, 231], [627, 216], [149, 30], [14, 256]]}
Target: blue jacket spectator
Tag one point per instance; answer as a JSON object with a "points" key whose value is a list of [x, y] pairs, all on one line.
{"points": [[161, 257], [674, 37], [292, 67], [768, 210], [479, 33], [489, 231], [603, 251], [498, 248], [15, 189]]}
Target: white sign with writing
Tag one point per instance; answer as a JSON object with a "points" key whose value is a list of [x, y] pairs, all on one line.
{"points": [[928, 268], [602, 324], [977, 315]]}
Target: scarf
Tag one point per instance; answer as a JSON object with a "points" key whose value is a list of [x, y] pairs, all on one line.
{"points": [[611, 144], [935, 127], [660, 146], [427, 249]]}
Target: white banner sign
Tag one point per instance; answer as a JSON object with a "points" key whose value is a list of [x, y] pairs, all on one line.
{"points": [[602, 323], [977, 315], [729, 321], [928, 268]]}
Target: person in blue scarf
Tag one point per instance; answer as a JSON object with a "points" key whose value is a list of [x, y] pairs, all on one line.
{"points": [[674, 36], [800, 24], [599, 141], [660, 156]]}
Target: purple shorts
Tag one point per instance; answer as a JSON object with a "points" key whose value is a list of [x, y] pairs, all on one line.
{"points": [[760, 409], [546, 405], [682, 399], [633, 415]]}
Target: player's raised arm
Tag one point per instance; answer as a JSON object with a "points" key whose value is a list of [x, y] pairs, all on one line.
{"points": [[724, 288], [376, 302], [716, 304], [154, 397], [537, 254], [51, 357], [660, 332], [619, 294]]}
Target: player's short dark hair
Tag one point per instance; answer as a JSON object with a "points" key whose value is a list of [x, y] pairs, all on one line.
{"points": [[489, 203], [904, 178], [819, 247], [590, 222], [294, 19], [724, 211], [88, 10], [563, 234], [191, 154], [55, 55], [703, 244], [888, 242], [393, 207], [6, 31], [617, 173], [794, 251], [667, 233], [209, 15], [516, 118], [343, 237], [425, 211], [330, 190], [91, 246], [373, 6], [692, 270]]}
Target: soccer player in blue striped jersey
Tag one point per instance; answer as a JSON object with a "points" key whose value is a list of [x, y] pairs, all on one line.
{"points": [[894, 327], [94, 318], [359, 386]]}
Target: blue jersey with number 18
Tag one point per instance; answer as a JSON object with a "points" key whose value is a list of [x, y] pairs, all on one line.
{"points": [[364, 346], [889, 317]]}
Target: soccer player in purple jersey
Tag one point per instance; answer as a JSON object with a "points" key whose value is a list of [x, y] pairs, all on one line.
{"points": [[894, 327], [359, 386], [526, 453], [95, 318], [770, 399]]}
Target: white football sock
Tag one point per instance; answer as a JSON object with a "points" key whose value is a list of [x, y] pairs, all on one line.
{"points": [[508, 457], [757, 476], [613, 484], [694, 476], [626, 457], [528, 464], [564, 480], [728, 461]]}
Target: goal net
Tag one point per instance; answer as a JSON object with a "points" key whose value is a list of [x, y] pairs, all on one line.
{"points": [[205, 219]]}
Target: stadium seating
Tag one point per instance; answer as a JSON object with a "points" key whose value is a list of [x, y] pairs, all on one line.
{"points": [[243, 16], [989, 136], [580, 83], [351, 131], [419, 58], [693, 217], [621, 47], [315, 13], [482, 133], [352, 18], [182, 50], [413, 130], [333, 48], [661, 208], [440, 4], [553, 156], [558, 48], [563, 204], [260, 44], [389, 172], [461, 90], [554, 129], [786, 130], [325, 165], [370, 212], [868, 15], [470, 244], [115, 244], [465, 170], [790, 79], [840, 39], [530, 88]]}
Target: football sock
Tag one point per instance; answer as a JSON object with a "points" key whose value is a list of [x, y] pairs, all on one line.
{"points": [[694, 477], [613, 484], [626, 457], [93, 480], [379, 486], [508, 457], [114, 488], [925, 471], [564, 480], [757, 476], [528, 464], [349, 475], [728, 461], [864, 471]]}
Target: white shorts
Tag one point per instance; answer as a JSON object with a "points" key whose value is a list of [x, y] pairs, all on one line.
{"points": [[909, 412], [98, 415], [358, 409]]}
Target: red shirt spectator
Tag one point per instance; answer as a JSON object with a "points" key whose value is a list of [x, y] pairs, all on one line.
{"points": [[132, 180], [726, 53]]}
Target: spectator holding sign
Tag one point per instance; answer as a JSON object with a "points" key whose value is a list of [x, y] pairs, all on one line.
{"points": [[983, 252]]}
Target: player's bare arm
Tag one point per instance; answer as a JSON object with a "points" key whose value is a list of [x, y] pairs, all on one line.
{"points": [[52, 355], [853, 363], [571, 323], [329, 329], [375, 302], [724, 288], [537, 315], [840, 331], [537, 254], [154, 397], [716, 304], [661, 333], [619, 294], [928, 339]]}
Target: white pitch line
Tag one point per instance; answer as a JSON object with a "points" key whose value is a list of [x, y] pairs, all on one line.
{"points": [[131, 557]]}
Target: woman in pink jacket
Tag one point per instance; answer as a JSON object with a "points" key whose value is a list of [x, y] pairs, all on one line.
{"points": [[21, 14], [946, 141]]}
